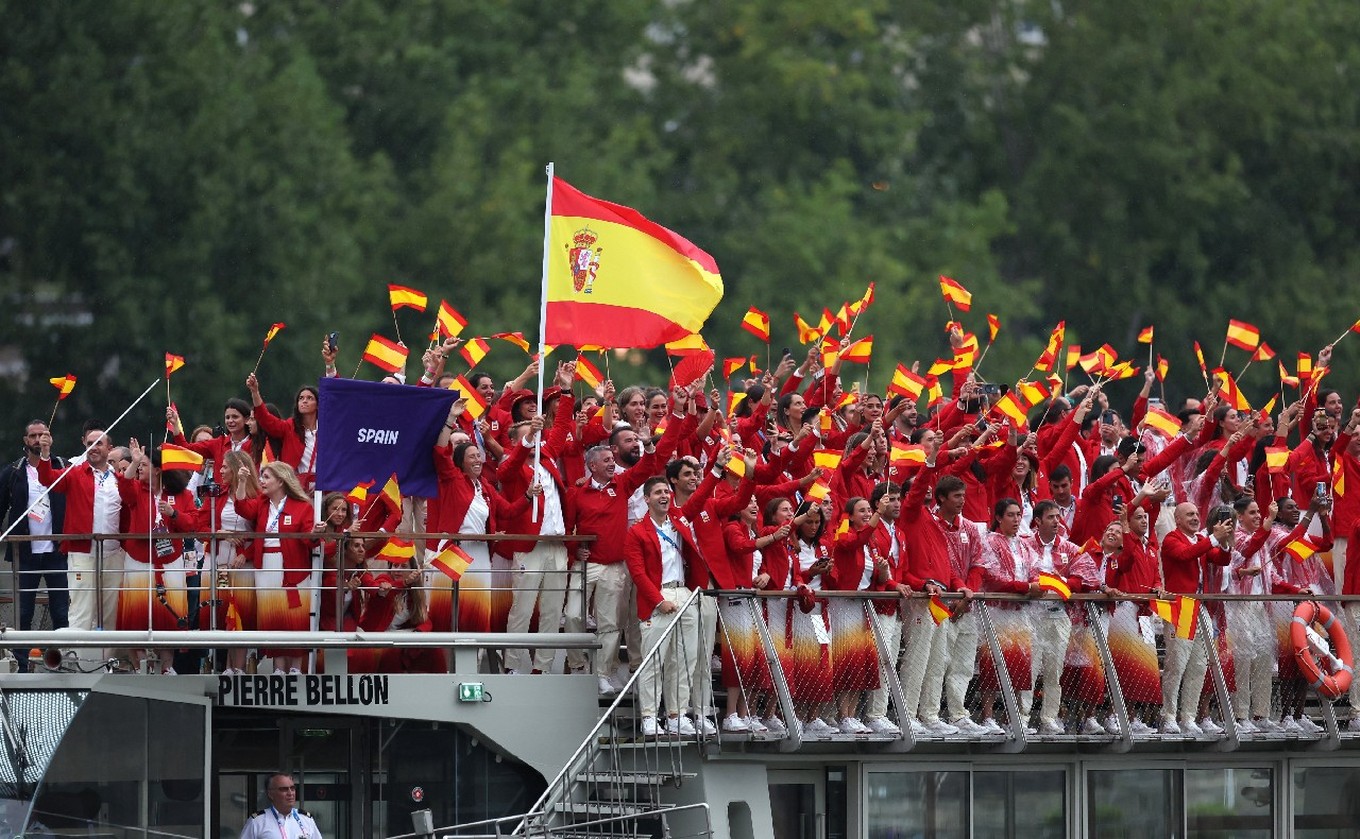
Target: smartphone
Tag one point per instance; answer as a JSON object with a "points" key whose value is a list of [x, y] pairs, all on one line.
{"points": [[787, 352], [1109, 417], [1321, 489], [1154, 401], [981, 423], [330, 341], [1117, 501]]}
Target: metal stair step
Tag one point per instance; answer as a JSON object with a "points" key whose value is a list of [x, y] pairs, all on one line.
{"points": [[599, 834], [633, 778], [598, 808]]}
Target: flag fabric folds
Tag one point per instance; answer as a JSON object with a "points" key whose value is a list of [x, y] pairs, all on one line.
{"points": [[1163, 423], [450, 323], [757, 323], [402, 297], [398, 550], [273, 330], [65, 384], [1055, 584], [384, 354], [176, 457], [474, 351], [1145, 336], [172, 363], [1243, 335], [955, 293], [1182, 613], [372, 428], [451, 560], [618, 279]]}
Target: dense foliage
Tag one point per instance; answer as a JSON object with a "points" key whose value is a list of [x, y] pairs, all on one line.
{"points": [[177, 176]]}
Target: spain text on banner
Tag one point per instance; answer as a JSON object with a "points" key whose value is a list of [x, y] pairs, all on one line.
{"points": [[617, 279]]}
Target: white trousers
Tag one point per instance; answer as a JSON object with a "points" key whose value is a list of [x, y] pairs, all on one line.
{"points": [[955, 669], [1253, 650], [605, 586], [539, 578], [669, 674], [890, 630], [1182, 675], [927, 653], [94, 595], [1052, 633], [701, 680]]}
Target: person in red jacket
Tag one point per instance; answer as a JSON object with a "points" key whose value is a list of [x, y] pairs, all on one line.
{"points": [[1137, 571], [658, 550], [158, 504], [282, 598], [1006, 562], [888, 543], [1185, 551], [237, 438], [298, 432]]}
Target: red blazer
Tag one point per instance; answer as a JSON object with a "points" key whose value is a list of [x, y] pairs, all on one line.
{"points": [[1183, 560], [642, 552], [140, 505], [78, 487], [456, 494], [707, 515], [296, 517], [283, 430]]}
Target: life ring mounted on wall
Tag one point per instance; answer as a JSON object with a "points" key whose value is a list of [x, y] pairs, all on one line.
{"points": [[1331, 677]]}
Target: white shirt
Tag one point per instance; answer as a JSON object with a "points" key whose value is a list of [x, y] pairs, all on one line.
{"points": [[807, 557], [40, 512], [107, 505], [1045, 563], [271, 824], [272, 525], [637, 505], [551, 500], [672, 561]]}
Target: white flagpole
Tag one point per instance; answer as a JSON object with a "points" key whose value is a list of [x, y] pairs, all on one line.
{"points": [[543, 323]]}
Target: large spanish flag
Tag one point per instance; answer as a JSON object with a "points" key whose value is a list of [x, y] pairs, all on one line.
{"points": [[616, 279]]}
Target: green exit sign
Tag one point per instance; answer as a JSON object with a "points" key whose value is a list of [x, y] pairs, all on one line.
{"points": [[470, 692]]}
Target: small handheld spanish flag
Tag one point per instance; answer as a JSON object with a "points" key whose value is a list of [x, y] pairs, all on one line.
{"points": [[402, 297], [954, 292], [451, 560], [397, 551], [757, 323], [1055, 584], [65, 384], [179, 458], [939, 610]]}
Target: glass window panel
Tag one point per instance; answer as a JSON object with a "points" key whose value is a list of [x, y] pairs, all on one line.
{"points": [[1327, 802], [1236, 803], [921, 805], [175, 768], [793, 809], [1133, 803], [1020, 804]]}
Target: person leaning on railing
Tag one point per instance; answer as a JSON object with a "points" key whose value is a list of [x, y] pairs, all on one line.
{"points": [[283, 565], [157, 504]]}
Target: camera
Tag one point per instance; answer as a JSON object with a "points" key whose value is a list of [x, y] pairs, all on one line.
{"points": [[989, 390]]}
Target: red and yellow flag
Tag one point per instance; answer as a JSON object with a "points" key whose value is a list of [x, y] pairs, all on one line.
{"points": [[1055, 584], [392, 491], [1162, 367], [451, 560], [273, 330], [1301, 549], [1285, 378], [1145, 336], [907, 453], [1263, 353], [993, 327], [906, 383], [954, 292], [172, 363], [732, 365], [516, 338], [450, 323], [757, 323], [1243, 335], [1163, 423], [939, 610], [826, 458], [402, 297], [359, 495], [474, 351], [398, 551], [806, 332], [1009, 407], [475, 404], [588, 373], [859, 351], [1073, 356], [384, 354], [179, 458], [65, 384], [1277, 458], [617, 279], [1182, 614]]}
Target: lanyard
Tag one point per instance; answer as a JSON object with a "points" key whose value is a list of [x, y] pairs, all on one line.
{"points": [[279, 820], [273, 525], [668, 539]]}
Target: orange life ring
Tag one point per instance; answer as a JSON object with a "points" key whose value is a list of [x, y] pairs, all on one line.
{"points": [[1334, 680]]}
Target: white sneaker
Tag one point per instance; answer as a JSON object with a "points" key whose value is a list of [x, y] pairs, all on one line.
{"points": [[883, 725], [704, 726], [851, 725], [715, 664], [1266, 725], [1112, 725], [606, 687], [1289, 725], [1138, 728], [756, 726], [650, 728], [1092, 726], [1191, 728], [940, 728], [1245, 727], [1208, 726], [681, 726], [1050, 728], [918, 728], [1169, 726], [991, 726], [968, 728], [1354, 724], [817, 727], [735, 724], [774, 725], [1308, 726]]}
